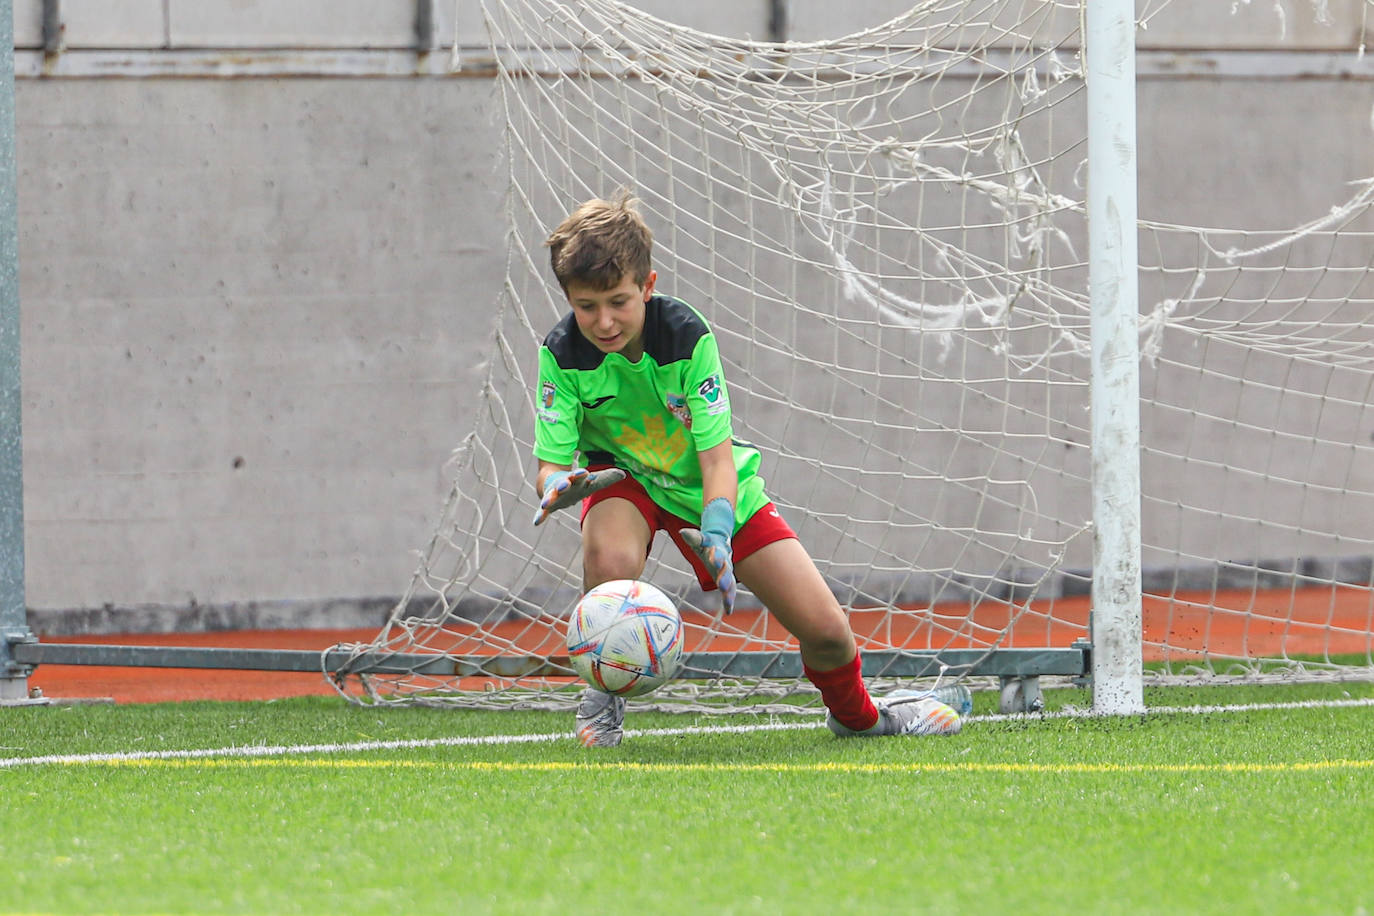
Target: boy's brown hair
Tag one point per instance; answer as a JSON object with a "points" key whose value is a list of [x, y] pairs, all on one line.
{"points": [[601, 242]]}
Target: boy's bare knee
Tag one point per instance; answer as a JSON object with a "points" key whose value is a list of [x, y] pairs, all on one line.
{"points": [[611, 561], [837, 644]]}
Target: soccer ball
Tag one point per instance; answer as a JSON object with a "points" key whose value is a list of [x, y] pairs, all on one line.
{"points": [[625, 638]]}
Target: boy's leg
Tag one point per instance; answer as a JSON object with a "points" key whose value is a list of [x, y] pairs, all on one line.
{"points": [[615, 545], [600, 719], [783, 576], [777, 569], [615, 541]]}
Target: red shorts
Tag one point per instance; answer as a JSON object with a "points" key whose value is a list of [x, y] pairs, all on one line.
{"points": [[763, 527]]}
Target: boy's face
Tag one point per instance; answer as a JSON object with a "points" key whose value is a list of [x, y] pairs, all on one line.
{"points": [[613, 319]]}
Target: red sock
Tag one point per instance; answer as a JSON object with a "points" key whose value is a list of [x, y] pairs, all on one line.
{"points": [[844, 694]]}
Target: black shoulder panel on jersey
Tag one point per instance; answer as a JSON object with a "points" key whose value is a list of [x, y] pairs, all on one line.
{"points": [[671, 329], [570, 348], [671, 333]]}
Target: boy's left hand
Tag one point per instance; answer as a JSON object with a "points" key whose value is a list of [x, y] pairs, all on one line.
{"points": [[712, 545], [566, 488]]}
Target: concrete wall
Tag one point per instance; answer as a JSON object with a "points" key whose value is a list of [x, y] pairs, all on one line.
{"points": [[356, 24], [254, 309], [251, 323]]}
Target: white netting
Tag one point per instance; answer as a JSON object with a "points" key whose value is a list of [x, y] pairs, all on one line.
{"points": [[887, 233]]}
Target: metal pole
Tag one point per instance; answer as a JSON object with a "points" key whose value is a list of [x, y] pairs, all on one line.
{"points": [[906, 663], [777, 20], [424, 26], [1109, 45], [14, 627], [52, 27]]}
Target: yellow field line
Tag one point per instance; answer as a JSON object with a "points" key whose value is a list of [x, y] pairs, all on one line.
{"points": [[1300, 766]]}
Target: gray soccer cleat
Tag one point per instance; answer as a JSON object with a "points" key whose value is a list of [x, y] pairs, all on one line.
{"points": [[600, 719], [955, 696], [909, 715]]}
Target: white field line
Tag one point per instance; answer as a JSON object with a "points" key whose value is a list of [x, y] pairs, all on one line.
{"points": [[811, 722], [283, 750]]}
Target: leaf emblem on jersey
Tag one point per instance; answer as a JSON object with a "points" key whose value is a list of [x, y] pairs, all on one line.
{"points": [[656, 447]]}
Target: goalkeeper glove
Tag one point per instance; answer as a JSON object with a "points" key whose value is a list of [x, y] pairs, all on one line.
{"points": [[712, 545], [566, 488]]}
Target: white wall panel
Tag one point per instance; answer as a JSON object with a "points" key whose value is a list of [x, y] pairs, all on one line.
{"points": [[114, 23], [816, 20], [292, 23], [1209, 24], [28, 23], [1299, 25], [357, 24], [460, 21], [733, 18]]}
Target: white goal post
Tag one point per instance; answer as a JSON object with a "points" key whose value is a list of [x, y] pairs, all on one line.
{"points": [[920, 249], [1114, 375]]}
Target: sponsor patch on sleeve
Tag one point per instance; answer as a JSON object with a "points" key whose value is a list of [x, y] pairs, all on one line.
{"points": [[714, 395]]}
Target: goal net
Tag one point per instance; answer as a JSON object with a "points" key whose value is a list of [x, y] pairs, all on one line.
{"points": [[887, 232]]}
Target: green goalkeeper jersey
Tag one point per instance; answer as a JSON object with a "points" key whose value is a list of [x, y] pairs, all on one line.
{"points": [[649, 417]]}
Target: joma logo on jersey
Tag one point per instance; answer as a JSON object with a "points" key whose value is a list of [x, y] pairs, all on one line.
{"points": [[677, 406]]}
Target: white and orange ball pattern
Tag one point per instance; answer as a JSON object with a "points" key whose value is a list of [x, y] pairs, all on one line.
{"points": [[625, 638]]}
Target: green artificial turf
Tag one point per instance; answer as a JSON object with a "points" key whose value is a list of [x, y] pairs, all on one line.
{"points": [[1264, 810]]}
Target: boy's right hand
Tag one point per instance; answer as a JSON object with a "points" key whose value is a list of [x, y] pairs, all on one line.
{"points": [[566, 488], [711, 544]]}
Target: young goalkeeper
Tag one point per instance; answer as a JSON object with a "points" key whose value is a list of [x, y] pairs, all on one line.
{"points": [[631, 381]]}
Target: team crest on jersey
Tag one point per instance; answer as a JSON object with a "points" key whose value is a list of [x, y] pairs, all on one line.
{"points": [[546, 413], [677, 406]]}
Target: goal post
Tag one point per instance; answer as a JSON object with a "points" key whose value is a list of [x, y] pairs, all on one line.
{"points": [[14, 628], [1113, 267]]}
